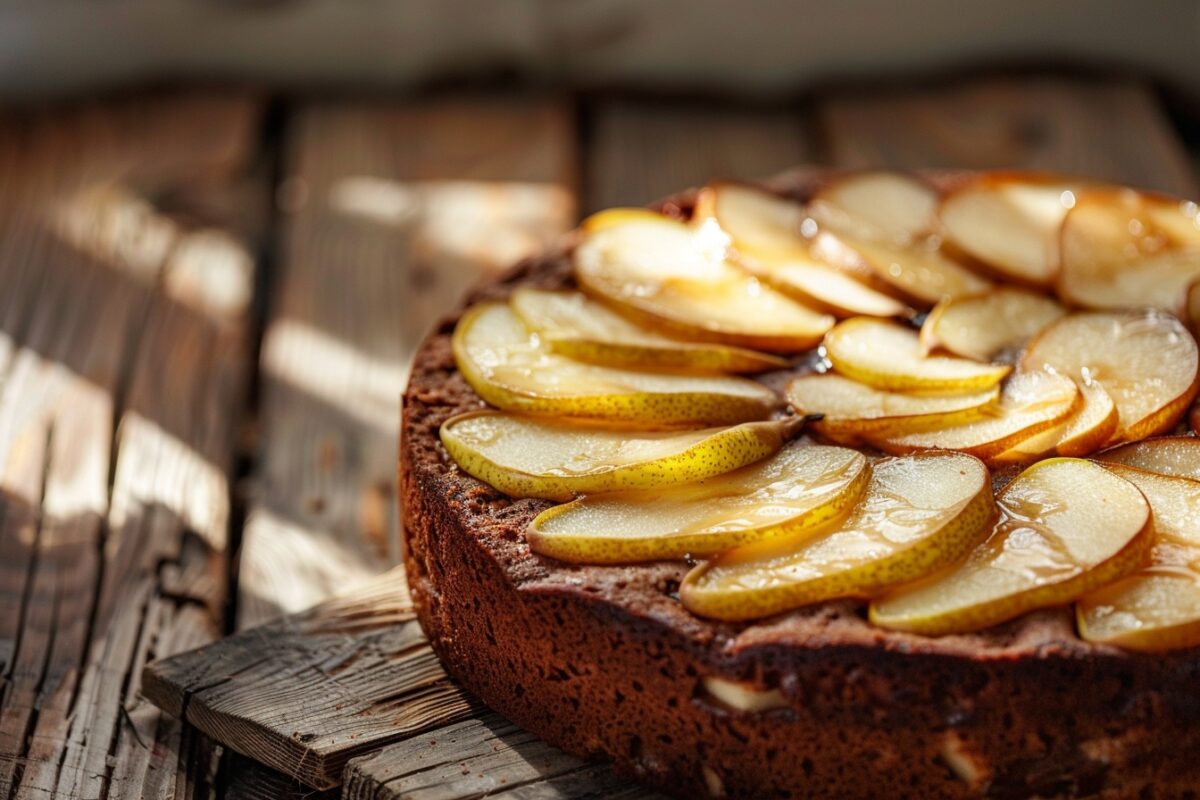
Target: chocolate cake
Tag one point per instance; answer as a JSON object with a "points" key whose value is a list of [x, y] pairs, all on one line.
{"points": [[605, 662]]}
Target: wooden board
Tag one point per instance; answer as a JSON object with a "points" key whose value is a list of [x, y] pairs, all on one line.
{"points": [[306, 693], [1105, 129], [391, 211], [483, 757], [643, 150], [121, 384]]}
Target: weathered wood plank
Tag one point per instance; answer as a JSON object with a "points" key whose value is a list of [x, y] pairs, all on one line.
{"points": [[250, 780], [1107, 129], [305, 693], [483, 757], [116, 566], [391, 212], [642, 150]]}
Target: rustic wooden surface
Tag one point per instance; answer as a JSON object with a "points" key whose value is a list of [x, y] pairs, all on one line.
{"points": [[130, 329], [124, 361], [380, 203]]}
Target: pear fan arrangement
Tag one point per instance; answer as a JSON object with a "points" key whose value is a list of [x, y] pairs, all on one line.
{"points": [[925, 336]]}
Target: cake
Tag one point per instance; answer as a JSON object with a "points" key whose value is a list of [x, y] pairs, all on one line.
{"points": [[807, 699]]}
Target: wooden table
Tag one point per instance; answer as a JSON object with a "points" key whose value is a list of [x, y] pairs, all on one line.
{"points": [[207, 302]]}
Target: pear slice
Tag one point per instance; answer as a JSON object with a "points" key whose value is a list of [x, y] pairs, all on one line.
{"points": [[877, 206], [572, 324], [786, 495], [888, 356], [525, 457], [1158, 607], [766, 232], [1177, 456], [1066, 527], [1030, 402], [508, 367], [918, 514], [662, 273], [1146, 360], [885, 224], [851, 409], [989, 325], [1081, 434], [1124, 249], [1010, 222]]}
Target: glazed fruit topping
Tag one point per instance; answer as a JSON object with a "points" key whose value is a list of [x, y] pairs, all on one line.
{"points": [[621, 398]]}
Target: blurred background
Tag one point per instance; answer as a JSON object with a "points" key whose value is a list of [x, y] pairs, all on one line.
{"points": [[225, 226]]}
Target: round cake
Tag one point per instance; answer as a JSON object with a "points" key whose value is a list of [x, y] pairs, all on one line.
{"points": [[816, 700]]}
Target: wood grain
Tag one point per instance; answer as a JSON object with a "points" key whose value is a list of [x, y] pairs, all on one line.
{"points": [[306, 693], [1100, 128], [117, 399], [486, 756], [391, 211], [643, 150]]}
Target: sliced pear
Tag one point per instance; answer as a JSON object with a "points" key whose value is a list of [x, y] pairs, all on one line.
{"points": [[1082, 433], [1146, 360], [508, 367], [888, 356], [1066, 527], [1125, 249], [666, 274], [918, 514], [756, 220], [786, 495], [918, 273], [1158, 607], [884, 224], [851, 409], [580, 328], [526, 457], [878, 206], [1030, 402], [985, 326], [1010, 222], [1177, 456], [766, 232]]}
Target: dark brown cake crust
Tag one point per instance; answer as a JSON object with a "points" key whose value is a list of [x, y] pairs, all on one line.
{"points": [[605, 662]]}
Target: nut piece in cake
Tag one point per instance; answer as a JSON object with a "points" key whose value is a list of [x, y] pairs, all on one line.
{"points": [[1158, 607], [510, 368], [677, 278], [1146, 360], [1066, 527], [787, 495], [555, 460], [918, 514], [575, 326]]}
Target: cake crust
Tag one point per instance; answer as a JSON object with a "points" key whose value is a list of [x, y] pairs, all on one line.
{"points": [[605, 663]]}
